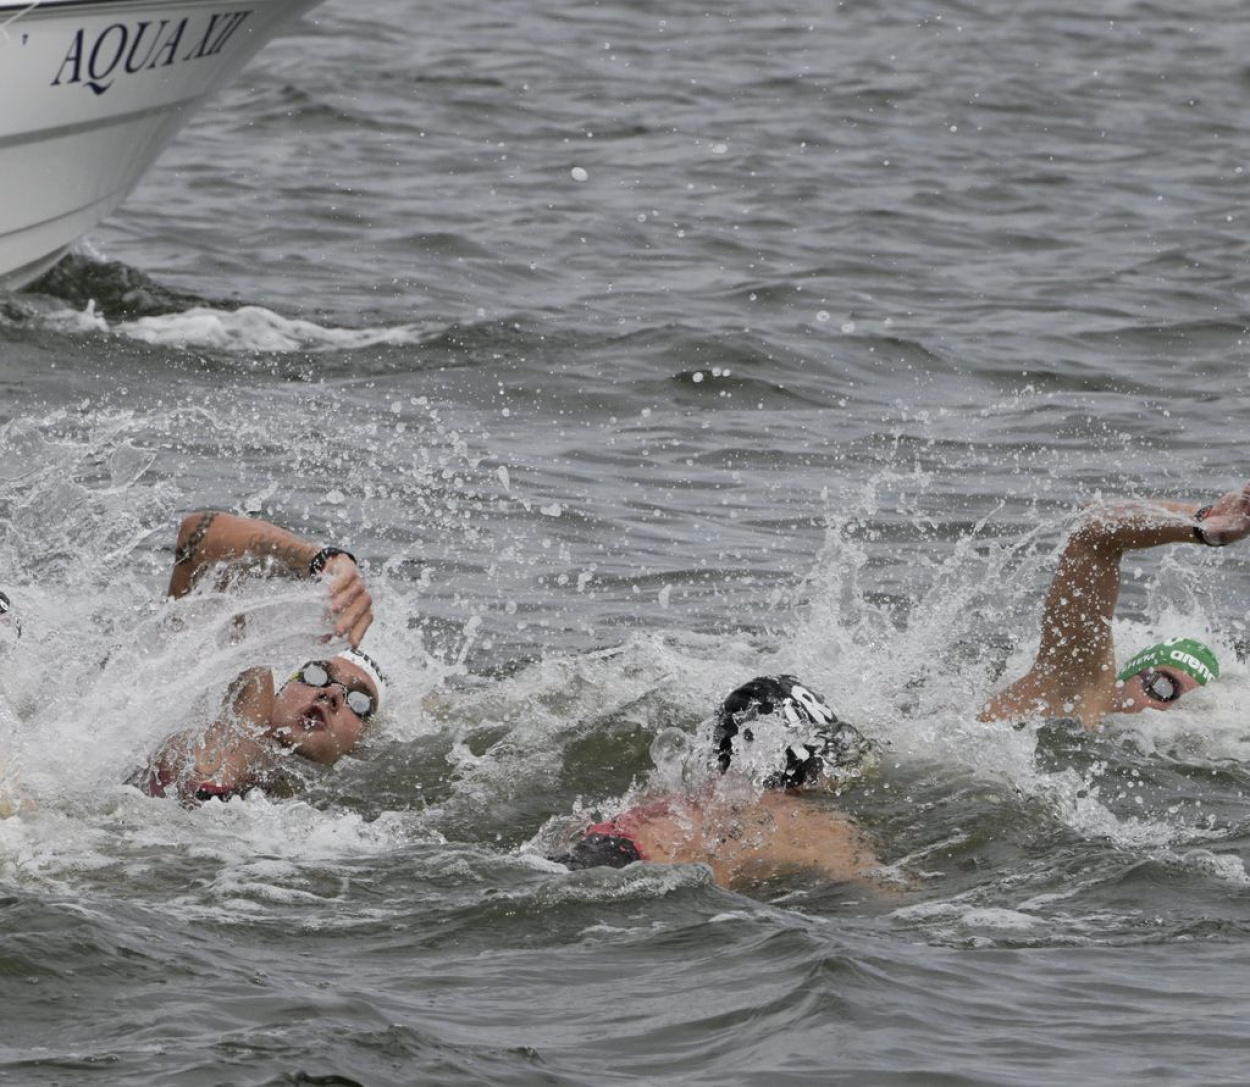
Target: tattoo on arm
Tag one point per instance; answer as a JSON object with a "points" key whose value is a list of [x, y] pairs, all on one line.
{"points": [[186, 553], [262, 547], [294, 556]]}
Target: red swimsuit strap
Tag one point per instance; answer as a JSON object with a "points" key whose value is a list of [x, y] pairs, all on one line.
{"points": [[628, 823]]}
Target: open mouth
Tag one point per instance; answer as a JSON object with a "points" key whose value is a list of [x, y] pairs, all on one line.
{"points": [[314, 718]]}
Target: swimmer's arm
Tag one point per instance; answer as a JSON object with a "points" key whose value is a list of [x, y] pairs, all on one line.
{"points": [[827, 842], [1074, 671], [788, 834], [232, 755], [209, 538]]}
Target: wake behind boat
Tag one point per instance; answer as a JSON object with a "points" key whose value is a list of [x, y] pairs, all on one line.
{"points": [[91, 92]]}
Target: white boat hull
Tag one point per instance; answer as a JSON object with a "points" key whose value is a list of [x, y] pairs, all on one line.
{"points": [[91, 92]]}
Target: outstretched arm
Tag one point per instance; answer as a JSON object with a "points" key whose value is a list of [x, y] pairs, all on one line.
{"points": [[210, 538], [1073, 674], [822, 841]]}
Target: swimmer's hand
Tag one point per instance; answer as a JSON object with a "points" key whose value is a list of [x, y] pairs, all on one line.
{"points": [[1227, 520], [350, 603]]}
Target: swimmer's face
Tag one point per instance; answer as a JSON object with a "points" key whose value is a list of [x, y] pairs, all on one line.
{"points": [[316, 722], [1155, 689]]}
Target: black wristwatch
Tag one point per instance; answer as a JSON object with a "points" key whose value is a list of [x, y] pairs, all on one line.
{"points": [[1199, 535], [323, 556]]}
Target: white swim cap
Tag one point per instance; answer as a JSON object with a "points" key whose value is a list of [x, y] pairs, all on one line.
{"points": [[370, 668]]}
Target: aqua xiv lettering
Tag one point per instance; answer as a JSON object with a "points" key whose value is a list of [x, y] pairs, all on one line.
{"points": [[216, 36], [129, 48]]}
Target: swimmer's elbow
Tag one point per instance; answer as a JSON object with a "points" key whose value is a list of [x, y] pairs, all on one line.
{"points": [[1096, 526]]}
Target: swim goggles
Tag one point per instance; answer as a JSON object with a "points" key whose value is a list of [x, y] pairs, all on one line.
{"points": [[1160, 686], [317, 674]]}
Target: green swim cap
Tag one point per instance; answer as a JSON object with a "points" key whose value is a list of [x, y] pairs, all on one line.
{"points": [[1187, 655]]}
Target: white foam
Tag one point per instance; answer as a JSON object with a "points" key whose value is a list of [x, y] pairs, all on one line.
{"points": [[1222, 866], [729, 916], [613, 884], [988, 917], [254, 328], [249, 329]]}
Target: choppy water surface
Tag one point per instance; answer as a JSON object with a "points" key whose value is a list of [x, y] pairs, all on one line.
{"points": [[639, 349]]}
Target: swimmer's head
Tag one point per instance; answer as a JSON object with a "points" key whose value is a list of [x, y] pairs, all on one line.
{"points": [[1187, 655], [1157, 677], [783, 734], [322, 712]]}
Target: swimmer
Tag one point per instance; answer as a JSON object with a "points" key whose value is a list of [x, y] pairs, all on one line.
{"points": [[319, 713], [1074, 674], [773, 739]]}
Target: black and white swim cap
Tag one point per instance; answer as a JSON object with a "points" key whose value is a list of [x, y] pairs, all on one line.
{"points": [[783, 733]]}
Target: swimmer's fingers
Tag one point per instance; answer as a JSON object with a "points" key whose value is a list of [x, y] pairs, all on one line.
{"points": [[346, 582], [350, 602], [354, 620], [1229, 519]]}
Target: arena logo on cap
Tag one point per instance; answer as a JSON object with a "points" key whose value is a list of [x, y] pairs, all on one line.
{"points": [[1188, 660]]}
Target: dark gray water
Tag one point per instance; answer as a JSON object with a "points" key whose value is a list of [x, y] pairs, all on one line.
{"points": [[638, 349]]}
